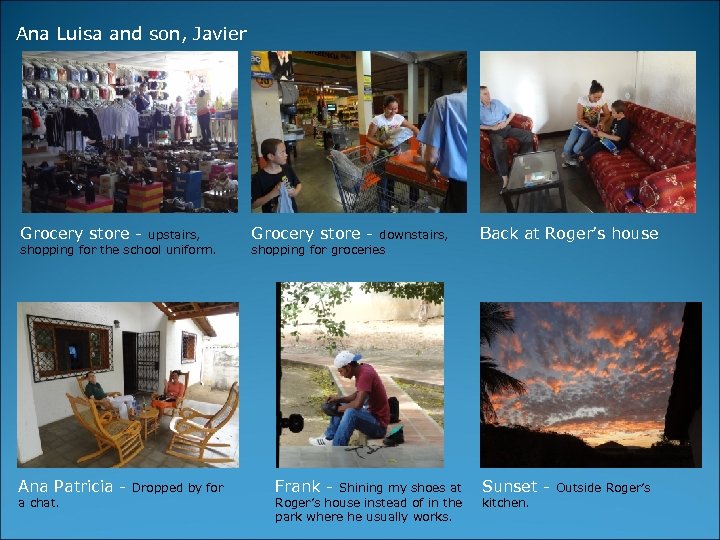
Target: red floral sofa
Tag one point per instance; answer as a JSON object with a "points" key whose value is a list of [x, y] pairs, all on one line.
{"points": [[655, 172], [487, 160]]}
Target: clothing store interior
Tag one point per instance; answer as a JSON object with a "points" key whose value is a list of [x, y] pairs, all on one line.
{"points": [[347, 147], [135, 132]]}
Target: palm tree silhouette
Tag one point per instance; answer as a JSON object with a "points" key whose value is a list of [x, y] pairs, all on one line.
{"points": [[495, 318]]}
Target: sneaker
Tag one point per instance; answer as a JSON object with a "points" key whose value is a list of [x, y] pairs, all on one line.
{"points": [[570, 163], [320, 441]]}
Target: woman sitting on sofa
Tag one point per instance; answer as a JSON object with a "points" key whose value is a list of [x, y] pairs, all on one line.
{"points": [[589, 110]]}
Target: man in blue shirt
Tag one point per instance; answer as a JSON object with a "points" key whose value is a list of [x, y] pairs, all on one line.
{"points": [[444, 134], [495, 119]]}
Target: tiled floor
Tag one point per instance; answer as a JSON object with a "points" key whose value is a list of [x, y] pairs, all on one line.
{"points": [[64, 441], [580, 192], [403, 456]]}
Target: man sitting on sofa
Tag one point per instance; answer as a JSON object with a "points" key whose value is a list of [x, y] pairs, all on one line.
{"points": [[495, 119]]}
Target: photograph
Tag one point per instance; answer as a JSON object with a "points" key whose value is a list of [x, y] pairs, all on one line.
{"points": [[128, 384], [590, 385], [359, 131], [360, 375], [129, 132], [587, 132]]}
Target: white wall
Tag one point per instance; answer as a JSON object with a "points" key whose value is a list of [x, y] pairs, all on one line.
{"points": [[173, 347], [546, 85], [49, 396], [28, 436], [666, 82], [266, 112]]}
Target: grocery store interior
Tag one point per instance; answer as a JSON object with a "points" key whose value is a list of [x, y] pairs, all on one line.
{"points": [[319, 101]]}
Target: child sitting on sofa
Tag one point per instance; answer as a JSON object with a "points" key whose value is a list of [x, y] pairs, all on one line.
{"points": [[615, 140]]}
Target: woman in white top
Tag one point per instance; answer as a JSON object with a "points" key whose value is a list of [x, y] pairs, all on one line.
{"points": [[180, 119], [588, 111], [385, 129]]}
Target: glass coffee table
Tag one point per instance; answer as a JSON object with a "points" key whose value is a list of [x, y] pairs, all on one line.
{"points": [[531, 178]]}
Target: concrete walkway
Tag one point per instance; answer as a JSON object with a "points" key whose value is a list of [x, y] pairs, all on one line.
{"points": [[377, 457], [419, 428]]}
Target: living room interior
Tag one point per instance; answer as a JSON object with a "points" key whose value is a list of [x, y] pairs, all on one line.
{"points": [[655, 173]]}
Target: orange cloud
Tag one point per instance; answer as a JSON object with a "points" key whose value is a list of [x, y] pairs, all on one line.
{"points": [[559, 366], [570, 310], [618, 337], [627, 432], [516, 344], [514, 364], [555, 384]]}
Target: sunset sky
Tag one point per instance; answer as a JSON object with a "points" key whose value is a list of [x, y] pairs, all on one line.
{"points": [[600, 371]]}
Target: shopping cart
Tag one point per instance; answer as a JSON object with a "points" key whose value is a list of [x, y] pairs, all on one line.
{"points": [[396, 196], [404, 188], [357, 175], [335, 138]]}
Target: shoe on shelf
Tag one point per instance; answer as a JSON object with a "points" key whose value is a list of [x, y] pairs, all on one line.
{"points": [[320, 441]]}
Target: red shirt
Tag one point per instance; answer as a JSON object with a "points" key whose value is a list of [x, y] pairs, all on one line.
{"points": [[367, 380]]}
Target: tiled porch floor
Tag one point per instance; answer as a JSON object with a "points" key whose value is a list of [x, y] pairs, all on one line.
{"points": [[64, 441]]}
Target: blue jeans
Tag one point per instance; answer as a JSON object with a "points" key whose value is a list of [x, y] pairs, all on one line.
{"points": [[204, 123], [576, 141], [341, 428]]}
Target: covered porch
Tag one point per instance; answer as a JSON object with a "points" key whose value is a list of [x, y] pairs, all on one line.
{"points": [[132, 348]]}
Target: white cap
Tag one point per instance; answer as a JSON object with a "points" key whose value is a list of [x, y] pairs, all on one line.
{"points": [[345, 357]]}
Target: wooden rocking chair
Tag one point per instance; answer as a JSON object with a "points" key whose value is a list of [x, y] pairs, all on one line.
{"points": [[81, 384], [171, 408], [122, 435], [192, 438]]}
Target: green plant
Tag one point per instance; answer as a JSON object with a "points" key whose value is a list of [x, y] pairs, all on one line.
{"points": [[321, 299], [432, 291]]}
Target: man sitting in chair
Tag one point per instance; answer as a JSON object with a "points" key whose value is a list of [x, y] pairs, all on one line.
{"points": [[107, 401], [352, 412], [495, 118]]}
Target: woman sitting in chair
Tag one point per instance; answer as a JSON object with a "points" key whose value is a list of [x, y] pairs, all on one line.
{"points": [[174, 388], [174, 391]]}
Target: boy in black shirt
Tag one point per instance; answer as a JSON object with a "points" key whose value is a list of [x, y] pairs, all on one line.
{"points": [[265, 185], [614, 141]]}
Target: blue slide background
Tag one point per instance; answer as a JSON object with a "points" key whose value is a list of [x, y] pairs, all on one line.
{"points": [[682, 265]]}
